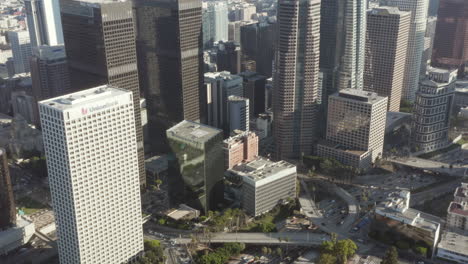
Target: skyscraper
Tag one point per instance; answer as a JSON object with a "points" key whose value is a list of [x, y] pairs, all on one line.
{"points": [[238, 113], [170, 52], [258, 44], [415, 50], [92, 161], [215, 22], [431, 111], [342, 44], [7, 202], [219, 86], [355, 128], [450, 41], [197, 165], [21, 48], [100, 46], [295, 103], [44, 25], [387, 40], [49, 73]]}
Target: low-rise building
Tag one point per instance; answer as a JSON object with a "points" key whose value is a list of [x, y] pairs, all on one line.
{"points": [[240, 148], [265, 184], [17, 236], [453, 245], [394, 215], [457, 213]]}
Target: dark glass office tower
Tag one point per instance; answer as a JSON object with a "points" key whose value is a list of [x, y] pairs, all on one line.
{"points": [[170, 55], [7, 203], [100, 46], [196, 165], [451, 36]]}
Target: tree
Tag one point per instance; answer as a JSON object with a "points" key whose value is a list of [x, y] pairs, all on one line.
{"points": [[158, 183], [327, 259], [264, 250], [345, 249], [421, 251], [279, 252], [391, 256]]}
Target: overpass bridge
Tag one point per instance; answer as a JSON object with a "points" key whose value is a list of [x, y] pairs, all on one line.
{"points": [[431, 165], [284, 238]]}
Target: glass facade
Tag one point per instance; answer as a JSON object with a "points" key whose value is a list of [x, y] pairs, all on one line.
{"points": [[196, 167]]}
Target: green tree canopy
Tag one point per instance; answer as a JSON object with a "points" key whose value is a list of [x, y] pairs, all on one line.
{"points": [[391, 256]]}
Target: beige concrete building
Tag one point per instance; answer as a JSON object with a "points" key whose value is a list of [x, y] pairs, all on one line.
{"points": [[265, 184], [355, 128], [457, 213], [240, 148], [386, 46], [431, 111]]}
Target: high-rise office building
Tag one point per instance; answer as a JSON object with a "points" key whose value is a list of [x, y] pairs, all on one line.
{"points": [[428, 44], [431, 110], [215, 22], [342, 44], [254, 90], [450, 42], [21, 48], [219, 86], [44, 25], [386, 44], [228, 57], [197, 167], [238, 113], [355, 128], [418, 9], [49, 73], [100, 48], [170, 52], [295, 103], [7, 202], [92, 161], [258, 43]]}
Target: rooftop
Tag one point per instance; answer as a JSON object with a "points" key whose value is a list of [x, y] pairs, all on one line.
{"points": [[192, 131], [454, 241], [462, 191], [340, 147], [396, 207], [81, 98], [458, 208], [359, 95], [261, 168], [238, 137], [387, 10], [235, 98], [221, 75], [156, 164]]}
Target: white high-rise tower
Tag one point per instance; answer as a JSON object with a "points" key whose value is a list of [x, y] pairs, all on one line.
{"points": [[44, 24], [92, 161], [351, 67], [415, 50]]}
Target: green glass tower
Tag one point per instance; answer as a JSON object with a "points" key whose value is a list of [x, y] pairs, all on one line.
{"points": [[196, 165]]}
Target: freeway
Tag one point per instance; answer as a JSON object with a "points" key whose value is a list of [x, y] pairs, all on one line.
{"points": [[286, 238], [431, 165], [437, 191]]}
